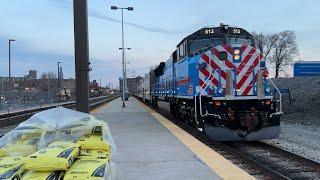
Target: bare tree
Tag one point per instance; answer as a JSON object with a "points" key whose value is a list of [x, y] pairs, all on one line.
{"points": [[284, 51], [265, 43], [48, 81]]}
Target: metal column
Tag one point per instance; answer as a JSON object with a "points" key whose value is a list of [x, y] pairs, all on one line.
{"points": [[81, 44]]}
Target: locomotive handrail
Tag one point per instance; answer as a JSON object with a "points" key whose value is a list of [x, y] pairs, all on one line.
{"points": [[195, 98], [280, 100]]}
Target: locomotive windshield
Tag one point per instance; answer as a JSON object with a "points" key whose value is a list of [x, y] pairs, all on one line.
{"points": [[197, 45], [200, 44], [205, 38], [236, 40]]}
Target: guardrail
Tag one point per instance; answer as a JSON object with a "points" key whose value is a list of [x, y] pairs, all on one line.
{"points": [[20, 116]]}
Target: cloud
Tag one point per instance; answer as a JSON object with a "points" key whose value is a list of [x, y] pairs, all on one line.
{"points": [[66, 4]]}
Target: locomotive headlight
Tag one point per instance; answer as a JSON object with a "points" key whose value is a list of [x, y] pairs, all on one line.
{"points": [[236, 57], [236, 51]]}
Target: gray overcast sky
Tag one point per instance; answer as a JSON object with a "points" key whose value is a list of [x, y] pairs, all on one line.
{"points": [[44, 30]]}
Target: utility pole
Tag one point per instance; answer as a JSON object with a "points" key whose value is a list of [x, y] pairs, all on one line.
{"points": [[123, 60], [59, 84], [81, 44], [10, 40], [10, 84]]}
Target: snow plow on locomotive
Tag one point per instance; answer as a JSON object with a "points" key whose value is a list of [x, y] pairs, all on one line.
{"points": [[217, 81]]}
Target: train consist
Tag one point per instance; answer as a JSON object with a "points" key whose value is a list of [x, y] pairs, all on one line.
{"points": [[216, 80]]}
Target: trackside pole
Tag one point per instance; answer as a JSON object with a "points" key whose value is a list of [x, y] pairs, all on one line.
{"points": [[81, 44]]}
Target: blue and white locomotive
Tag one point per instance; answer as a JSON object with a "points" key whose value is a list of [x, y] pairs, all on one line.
{"points": [[216, 80]]}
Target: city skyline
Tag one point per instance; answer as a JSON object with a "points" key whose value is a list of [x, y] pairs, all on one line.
{"points": [[45, 35]]}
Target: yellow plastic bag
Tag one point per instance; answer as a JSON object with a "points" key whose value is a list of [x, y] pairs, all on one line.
{"points": [[86, 169], [23, 147], [93, 154], [11, 168], [38, 175], [2, 153], [93, 142], [57, 156]]}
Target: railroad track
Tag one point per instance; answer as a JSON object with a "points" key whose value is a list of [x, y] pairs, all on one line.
{"points": [[261, 160], [10, 120]]}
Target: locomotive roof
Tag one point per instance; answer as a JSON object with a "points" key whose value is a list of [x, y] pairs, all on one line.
{"points": [[214, 32]]}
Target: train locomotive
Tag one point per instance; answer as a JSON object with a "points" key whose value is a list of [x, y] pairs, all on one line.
{"points": [[217, 81]]}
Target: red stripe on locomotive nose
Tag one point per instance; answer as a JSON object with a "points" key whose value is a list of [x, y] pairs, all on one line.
{"points": [[204, 72], [205, 58], [244, 47], [213, 65], [245, 60], [227, 61], [201, 82], [246, 75], [249, 87], [227, 48], [215, 81], [229, 64]]}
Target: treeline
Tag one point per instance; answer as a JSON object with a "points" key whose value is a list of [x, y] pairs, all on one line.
{"points": [[279, 49]]}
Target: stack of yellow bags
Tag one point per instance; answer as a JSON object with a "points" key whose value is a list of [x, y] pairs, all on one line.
{"points": [[51, 161], [86, 157], [93, 158], [12, 155]]}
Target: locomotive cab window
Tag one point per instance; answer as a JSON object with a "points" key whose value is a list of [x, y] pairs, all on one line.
{"points": [[238, 40], [203, 44]]}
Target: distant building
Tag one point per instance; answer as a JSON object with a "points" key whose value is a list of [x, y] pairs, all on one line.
{"points": [[94, 84], [131, 83], [27, 81], [32, 74]]}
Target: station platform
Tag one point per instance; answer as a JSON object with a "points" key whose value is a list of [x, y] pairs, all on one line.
{"points": [[149, 146]]}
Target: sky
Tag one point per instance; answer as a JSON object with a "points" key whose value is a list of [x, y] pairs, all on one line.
{"points": [[43, 30]]}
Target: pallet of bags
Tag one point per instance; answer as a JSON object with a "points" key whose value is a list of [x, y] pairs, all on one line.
{"points": [[11, 168], [57, 140], [57, 156]]}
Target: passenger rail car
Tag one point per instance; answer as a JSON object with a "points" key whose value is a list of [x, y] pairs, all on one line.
{"points": [[216, 80], [143, 89]]}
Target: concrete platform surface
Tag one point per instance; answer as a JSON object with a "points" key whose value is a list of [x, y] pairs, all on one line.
{"points": [[147, 149]]}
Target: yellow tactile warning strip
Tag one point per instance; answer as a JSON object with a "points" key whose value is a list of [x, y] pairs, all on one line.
{"points": [[224, 168], [98, 108]]}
